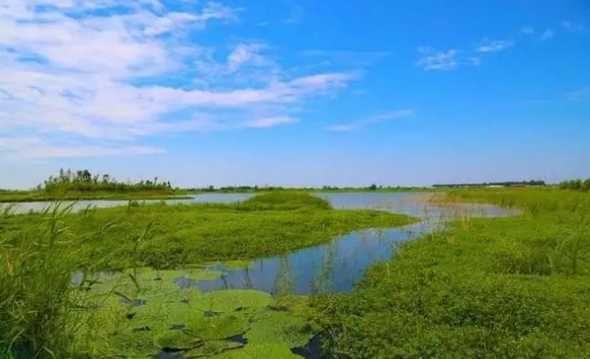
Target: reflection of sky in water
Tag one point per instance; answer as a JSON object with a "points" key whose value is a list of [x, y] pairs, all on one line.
{"points": [[338, 265], [26, 207], [335, 266]]}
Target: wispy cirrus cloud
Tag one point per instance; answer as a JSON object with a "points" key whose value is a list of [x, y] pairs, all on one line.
{"points": [[489, 46], [100, 70], [432, 60], [453, 58], [267, 122], [446, 60], [380, 118], [248, 54], [36, 148]]}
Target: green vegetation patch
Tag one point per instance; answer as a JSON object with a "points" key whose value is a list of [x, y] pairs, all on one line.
{"points": [[78, 185], [515, 287]]}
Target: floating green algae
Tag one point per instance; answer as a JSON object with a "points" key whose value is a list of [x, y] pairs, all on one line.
{"points": [[139, 313]]}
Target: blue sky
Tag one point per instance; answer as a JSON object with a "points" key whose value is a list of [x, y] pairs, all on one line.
{"points": [[288, 92]]}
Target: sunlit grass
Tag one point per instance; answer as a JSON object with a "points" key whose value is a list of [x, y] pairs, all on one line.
{"points": [[503, 287]]}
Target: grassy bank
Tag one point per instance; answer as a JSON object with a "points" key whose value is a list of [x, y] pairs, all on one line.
{"points": [[139, 311], [41, 196], [506, 287]]}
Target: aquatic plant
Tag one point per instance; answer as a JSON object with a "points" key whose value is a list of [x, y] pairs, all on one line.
{"points": [[168, 317]]}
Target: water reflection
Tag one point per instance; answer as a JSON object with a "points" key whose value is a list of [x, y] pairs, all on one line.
{"points": [[77, 206], [338, 265]]}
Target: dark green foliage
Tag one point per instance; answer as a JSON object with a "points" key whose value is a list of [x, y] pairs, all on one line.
{"points": [[577, 185], [485, 288], [80, 185], [84, 181]]}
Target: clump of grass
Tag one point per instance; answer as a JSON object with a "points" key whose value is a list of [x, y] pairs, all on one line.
{"points": [[37, 299], [284, 200]]}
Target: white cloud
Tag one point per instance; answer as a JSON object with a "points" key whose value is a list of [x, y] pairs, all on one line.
{"points": [[271, 122], [489, 46], [547, 35], [438, 60], [33, 147], [383, 117], [247, 54], [72, 71]]}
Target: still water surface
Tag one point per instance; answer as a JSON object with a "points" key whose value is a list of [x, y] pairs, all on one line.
{"points": [[26, 207], [338, 265]]}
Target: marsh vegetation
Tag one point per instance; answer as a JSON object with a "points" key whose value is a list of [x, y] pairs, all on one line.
{"points": [[514, 287], [119, 282], [45, 314]]}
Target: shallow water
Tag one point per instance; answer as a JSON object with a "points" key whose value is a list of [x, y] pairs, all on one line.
{"points": [[338, 265], [27, 207]]}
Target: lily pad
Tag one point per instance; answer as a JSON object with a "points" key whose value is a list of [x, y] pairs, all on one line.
{"points": [[232, 300], [280, 328], [174, 339], [260, 351], [215, 328], [211, 348]]}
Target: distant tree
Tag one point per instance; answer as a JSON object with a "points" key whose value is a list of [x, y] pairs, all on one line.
{"points": [[84, 180], [576, 185]]}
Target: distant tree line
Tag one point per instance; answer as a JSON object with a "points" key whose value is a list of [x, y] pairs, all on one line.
{"points": [[244, 188], [577, 185], [85, 181], [494, 184]]}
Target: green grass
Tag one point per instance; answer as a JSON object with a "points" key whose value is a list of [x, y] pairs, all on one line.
{"points": [[42, 196], [43, 315], [506, 287]]}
